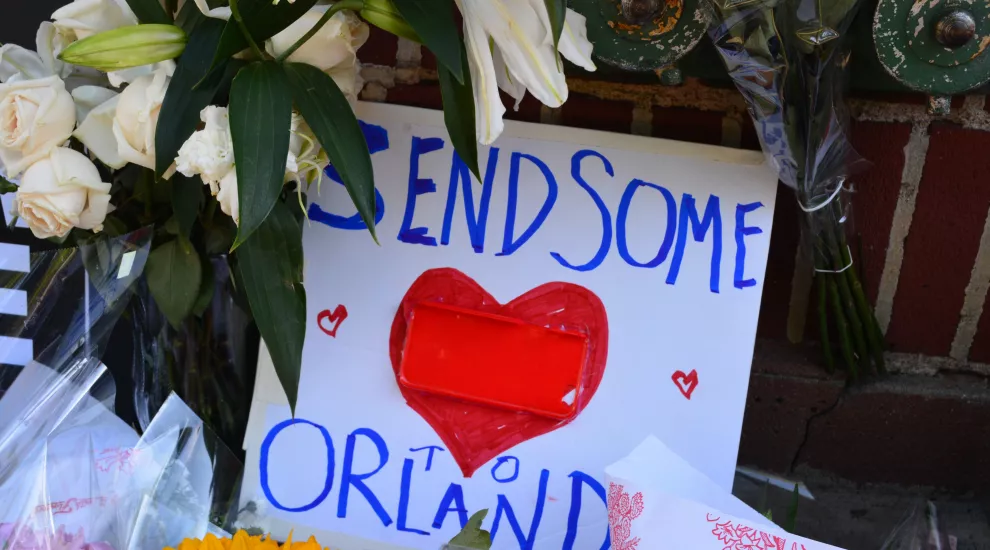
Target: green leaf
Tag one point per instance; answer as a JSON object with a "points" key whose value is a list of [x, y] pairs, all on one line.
{"points": [[260, 115], [205, 296], [458, 115], [149, 11], [183, 101], [264, 19], [556, 9], [433, 21], [189, 17], [187, 199], [328, 113], [174, 275], [792, 510], [473, 536], [269, 268], [7, 186]]}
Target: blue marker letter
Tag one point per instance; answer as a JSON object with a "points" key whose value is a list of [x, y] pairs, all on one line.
{"points": [[476, 224], [508, 245], [606, 217], [741, 231], [349, 478], [266, 446], [713, 217], [455, 496], [525, 542], [620, 224], [577, 480], [429, 456], [377, 138], [409, 234], [407, 466]]}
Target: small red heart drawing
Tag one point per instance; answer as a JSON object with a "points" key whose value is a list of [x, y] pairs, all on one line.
{"points": [[337, 317], [686, 382], [475, 433]]}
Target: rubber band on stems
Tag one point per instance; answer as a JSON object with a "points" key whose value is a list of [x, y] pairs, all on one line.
{"points": [[850, 264], [826, 202]]}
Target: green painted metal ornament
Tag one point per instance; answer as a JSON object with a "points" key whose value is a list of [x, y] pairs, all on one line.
{"points": [[934, 46], [643, 35]]}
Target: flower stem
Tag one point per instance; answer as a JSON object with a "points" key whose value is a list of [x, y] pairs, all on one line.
{"points": [[354, 5], [236, 13], [843, 326], [823, 323]]}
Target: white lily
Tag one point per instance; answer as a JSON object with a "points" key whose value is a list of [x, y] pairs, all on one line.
{"points": [[510, 46]]}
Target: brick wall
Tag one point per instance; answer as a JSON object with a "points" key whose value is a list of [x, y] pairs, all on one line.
{"points": [[921, 214]]}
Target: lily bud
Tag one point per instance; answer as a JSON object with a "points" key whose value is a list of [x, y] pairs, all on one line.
{"points": [[125, 47], [384, 15]]}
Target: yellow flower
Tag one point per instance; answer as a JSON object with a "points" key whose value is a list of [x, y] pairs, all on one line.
{"points": [[243, 541]]}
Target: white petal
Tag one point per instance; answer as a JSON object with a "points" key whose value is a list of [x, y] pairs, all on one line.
{"points": [[49, 43], [128, 153], [522, 38], [15, 60], [505, 81], [96, 133], [574, 44], [488, 108], [97, 206], [223, 12], [88, 98]]}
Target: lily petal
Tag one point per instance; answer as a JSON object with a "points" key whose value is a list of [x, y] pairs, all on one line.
{"points": [[488, 108], [508, 85], [15, 60], [88, 98], [574, 44], [223, 12], [517, 29]]}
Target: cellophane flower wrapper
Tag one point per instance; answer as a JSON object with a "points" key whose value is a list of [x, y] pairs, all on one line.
{"points": [[73, 476], [788, 58], [920, 530], [74, 298]]}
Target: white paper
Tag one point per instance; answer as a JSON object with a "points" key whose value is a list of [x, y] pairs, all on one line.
{"points": [[552, 483], [671, 522], [652, 468]]}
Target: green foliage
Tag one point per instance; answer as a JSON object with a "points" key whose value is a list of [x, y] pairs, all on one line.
{"points": [[187, 199], [328, 113], [433, 20], [263, 19], [150, 11], [557, 10], [458, 114], [174, 275], [270, 269], [472, 535], [260, 114]]}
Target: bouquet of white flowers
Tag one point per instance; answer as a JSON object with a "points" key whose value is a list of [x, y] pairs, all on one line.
{"points": [[131, 110]]}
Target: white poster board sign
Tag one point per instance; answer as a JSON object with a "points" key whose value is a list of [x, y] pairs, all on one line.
{"points": [[654, 250]]}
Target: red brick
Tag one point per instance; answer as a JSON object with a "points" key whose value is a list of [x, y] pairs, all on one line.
{"points": [[688, 125], [784, 237], [425, 95], [877, 189], [981, 344], [941, 247], [749, 139], [907, 429], [380, 48], [583, 111]]}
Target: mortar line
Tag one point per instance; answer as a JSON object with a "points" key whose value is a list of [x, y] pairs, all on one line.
{"points": [[915, 156], [976, 295], [642, 119]]}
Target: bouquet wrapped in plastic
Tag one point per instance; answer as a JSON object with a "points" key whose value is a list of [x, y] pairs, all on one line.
{"points": [[75, 476], [788, 58]]}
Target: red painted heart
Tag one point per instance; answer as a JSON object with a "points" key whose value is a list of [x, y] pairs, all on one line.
{"points": [[475, 433], [337, 317], [686, 382]]}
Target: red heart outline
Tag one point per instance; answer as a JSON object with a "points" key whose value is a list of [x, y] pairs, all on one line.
{"points": [[337, 317], [475, 433], [691, 380]]}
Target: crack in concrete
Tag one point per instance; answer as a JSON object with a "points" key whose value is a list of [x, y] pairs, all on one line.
{"points": [[807, 427]]}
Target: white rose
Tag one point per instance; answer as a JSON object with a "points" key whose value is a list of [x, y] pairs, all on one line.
{"points": [[36, 116], [84, 18], [62, 191], [136, 118], [333, 49]]}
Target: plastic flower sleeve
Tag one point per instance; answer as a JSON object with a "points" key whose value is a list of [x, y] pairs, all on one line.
{"points": [[920, 530], [73, 296], [788, 59]]}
